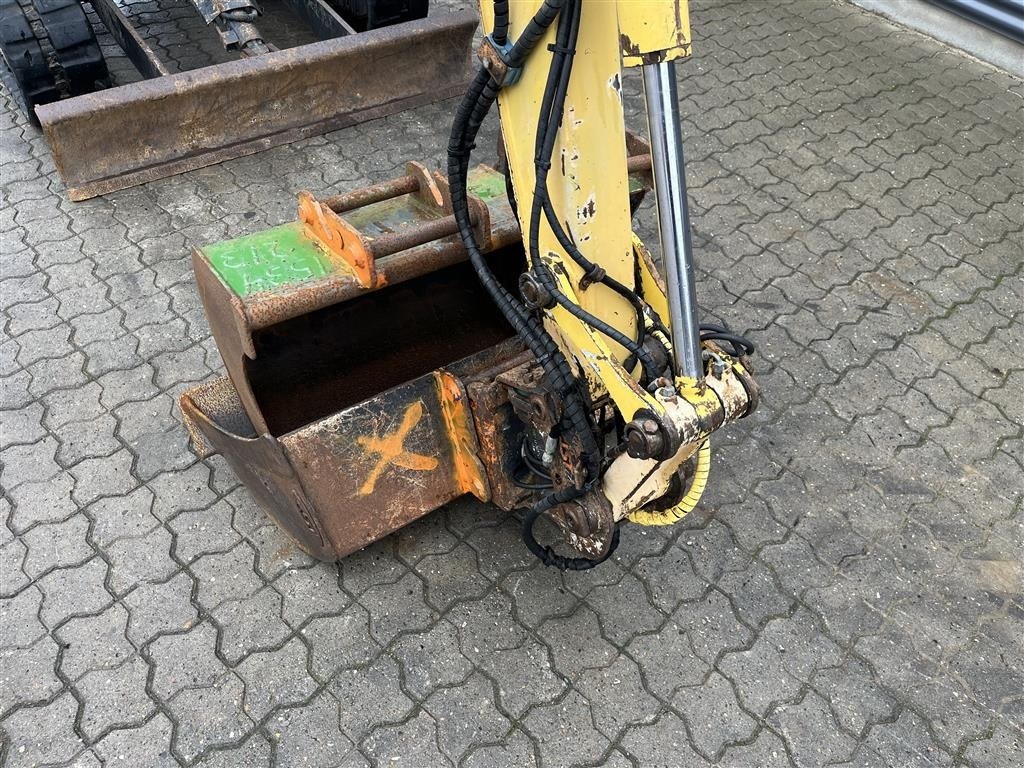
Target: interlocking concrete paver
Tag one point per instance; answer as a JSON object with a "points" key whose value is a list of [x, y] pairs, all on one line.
{"points": [[849, 591]]}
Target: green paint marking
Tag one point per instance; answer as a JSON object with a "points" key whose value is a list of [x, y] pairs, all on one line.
{"points": [[268, 260], [485, 183]]}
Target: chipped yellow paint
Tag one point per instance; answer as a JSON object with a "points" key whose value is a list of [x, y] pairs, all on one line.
{"points": [[588, 182], [653, 30], [390, 449]]}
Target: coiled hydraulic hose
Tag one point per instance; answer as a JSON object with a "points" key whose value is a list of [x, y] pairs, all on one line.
{"points": [[576, 417], [687, 504]]}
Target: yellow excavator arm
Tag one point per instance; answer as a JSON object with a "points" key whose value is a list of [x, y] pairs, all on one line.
{"points": [[593, 307]]}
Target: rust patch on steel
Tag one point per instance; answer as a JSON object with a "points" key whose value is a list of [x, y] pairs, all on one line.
{"points": [[214, 412]]}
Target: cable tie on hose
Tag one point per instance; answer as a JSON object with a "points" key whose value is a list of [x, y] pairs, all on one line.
{"points": [[542, 165], [462, 153], [595, 274], [555, 48]]}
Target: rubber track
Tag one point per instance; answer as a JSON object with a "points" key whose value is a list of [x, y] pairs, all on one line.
{"points": [[51, 46]]}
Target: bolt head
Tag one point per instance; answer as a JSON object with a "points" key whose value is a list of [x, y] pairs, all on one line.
{"points": [[636, 444]]}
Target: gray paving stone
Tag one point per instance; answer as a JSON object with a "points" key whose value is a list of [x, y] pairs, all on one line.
{"points": [[755, 595], [558, 601], [565, 732], [254, 751], [12, 574], [413, 741], [275, 552], [22, 427], [466, 715], [779, 663], [81, 440], [157, 608], [286, 683], [114, 698], [104, 476], [340, 642], [712, 626], [714, 716], [120, 517], [370, 697], [857, 700], [74, 591], [525, 677], [766, 750], [624, 609], [42, 735], [517, 750], [396, 608], [251, 624], [210, 717], [855, 194], [668, 659], [185, 661], [86, 759], [493, 539], [141, 560], [906, 742], [1004, 748], [662, 744], [29, 463], [808, 729], [426, 536], [308, 736], [617, 696], [487, 625], [309, 592], [431, 659], [576, 643], [182, 490], [28, 675], [226, 576], [147, 744], [94, 642], [451, 577], [953, 718], [671, 578]]}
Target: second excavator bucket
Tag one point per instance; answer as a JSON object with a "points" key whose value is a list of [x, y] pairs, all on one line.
{"points": [[135, 133]]}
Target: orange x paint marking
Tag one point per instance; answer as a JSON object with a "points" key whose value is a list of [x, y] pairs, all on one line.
{"points": [[391, 449]]}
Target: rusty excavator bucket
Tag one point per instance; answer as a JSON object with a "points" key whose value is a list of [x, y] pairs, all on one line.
{"points": [[370, 377], [177, 122]]}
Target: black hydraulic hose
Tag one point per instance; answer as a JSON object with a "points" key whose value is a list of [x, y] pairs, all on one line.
{"points": [[740, 344], [500, 32], [554, 98], [534, 31], [547, 555], [552, 108], [589, 267], [548, 279], [576, 418]]}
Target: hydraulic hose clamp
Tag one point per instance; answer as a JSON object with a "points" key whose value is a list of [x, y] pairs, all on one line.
{"points": [[495, 57]]}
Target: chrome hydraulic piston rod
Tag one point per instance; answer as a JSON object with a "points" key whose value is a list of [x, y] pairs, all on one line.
{"points": [[673, 214]]}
